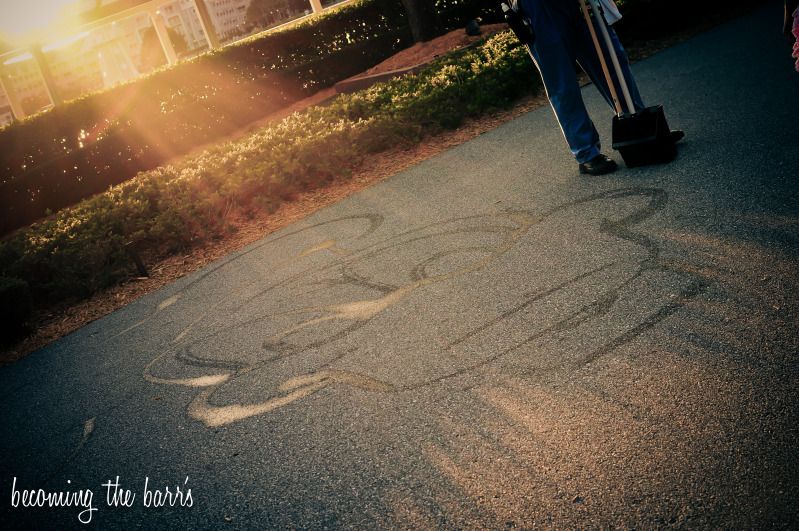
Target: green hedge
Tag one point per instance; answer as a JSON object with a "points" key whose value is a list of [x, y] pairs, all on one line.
{"points": [[81, 148], [16, 307], [81, 249]]}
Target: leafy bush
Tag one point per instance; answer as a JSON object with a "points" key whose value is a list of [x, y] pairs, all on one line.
{"points": [[653, 19], [56, 158], [16, 306]]}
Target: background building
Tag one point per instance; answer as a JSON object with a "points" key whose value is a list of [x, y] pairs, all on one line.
{"points": [[128, 45], [229, 17]]}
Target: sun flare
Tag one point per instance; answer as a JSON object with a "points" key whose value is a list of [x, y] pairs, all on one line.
{"points": [[22, 23]]}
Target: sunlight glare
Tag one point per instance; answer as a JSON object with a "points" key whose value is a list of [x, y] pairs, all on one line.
{"points": [[22, 23]]}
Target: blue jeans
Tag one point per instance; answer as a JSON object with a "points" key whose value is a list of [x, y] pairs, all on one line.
{"points": [[563, 39]]}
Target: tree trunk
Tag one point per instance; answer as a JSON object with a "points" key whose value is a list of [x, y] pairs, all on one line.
{"points": [[422, 18]]}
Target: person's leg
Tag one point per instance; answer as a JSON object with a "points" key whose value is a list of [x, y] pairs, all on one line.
{"points": [[556, 66], [588, 60]]}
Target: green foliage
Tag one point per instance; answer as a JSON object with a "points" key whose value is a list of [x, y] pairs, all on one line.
{"points": [[80, 250], [152, 55], [59, 157], [16, 307]]}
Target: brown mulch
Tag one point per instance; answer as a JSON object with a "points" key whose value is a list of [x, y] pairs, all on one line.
{"points": [[424, 52], [59, 321], [419, 53]]}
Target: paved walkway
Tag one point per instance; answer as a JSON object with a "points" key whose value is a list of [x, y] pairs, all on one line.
{"points": [[487, 339]]}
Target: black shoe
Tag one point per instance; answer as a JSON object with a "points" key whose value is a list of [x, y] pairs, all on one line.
{"points": [[676, 135], [599, 165]]}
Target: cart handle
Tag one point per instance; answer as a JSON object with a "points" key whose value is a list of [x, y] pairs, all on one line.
{"points": [[597, 9]]}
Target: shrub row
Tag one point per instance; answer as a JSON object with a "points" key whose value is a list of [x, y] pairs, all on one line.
{"points": [[16, 307], [653, 19], [81, 249], [81, 148]]}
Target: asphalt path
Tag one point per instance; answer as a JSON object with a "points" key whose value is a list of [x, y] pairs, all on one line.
{"points": [[485, 340]]}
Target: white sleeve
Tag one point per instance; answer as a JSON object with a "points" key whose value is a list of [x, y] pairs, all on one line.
{"points": [[612, 13]]}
